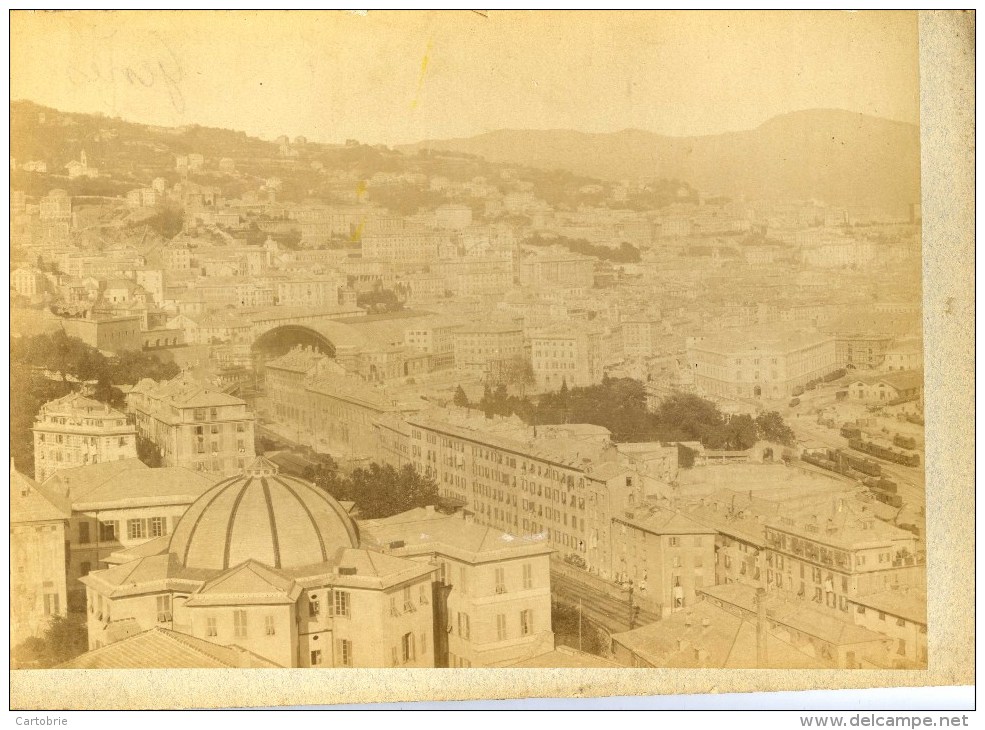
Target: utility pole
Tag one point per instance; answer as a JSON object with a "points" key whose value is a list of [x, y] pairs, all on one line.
{"points": [[579, 624], [761, 657]]}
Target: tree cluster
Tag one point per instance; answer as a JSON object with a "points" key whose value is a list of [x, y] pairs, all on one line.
{"points": [[380, 300], [627, 253], [64, 638], [378, 491], [619, 404]]}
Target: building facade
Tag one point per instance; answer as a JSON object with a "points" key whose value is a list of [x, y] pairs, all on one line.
{"points": [[75, 430], [764, 365], [38, 587], [194, 426]]}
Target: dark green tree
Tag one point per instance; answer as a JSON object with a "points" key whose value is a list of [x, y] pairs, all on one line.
{"points": [[65, 637], [461, 399], [773, 428]]}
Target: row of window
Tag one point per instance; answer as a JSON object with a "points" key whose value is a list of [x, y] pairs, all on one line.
{"points": [[408, 605], [526, 625], [339, 603], [137, 529], [70, 440]]}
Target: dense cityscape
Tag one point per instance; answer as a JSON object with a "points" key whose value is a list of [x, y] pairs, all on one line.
{"points": [[295, 404]]}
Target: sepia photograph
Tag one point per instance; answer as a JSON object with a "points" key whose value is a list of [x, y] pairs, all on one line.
{"points": [[515, 340]]}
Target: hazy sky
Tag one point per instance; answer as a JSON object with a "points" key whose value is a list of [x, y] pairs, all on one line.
{"points": [[400, 77]]}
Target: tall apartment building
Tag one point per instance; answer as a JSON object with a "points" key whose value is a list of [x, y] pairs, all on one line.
{"points": [[468, 276], [193, 425], [309, 291], [409, 244], [493, 589], [27, 281], [759, 363], [482, 348], [557, 269], [435, 336], [75, 430], [570, 354], [861, 351], [667, 556], [832, 558], [563, 482], [641, 336]]}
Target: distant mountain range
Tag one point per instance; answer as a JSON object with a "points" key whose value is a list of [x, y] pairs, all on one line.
{"points": [[839, 157]]}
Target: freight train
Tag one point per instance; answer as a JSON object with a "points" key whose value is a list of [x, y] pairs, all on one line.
{"points": [[887, 453], [901, 452], [865, 471]]}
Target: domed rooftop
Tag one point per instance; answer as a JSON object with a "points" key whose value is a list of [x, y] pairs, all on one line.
{"points": [[261, 515]]}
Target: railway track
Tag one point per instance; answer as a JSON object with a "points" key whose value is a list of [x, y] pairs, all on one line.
{"points": [[609, 612]]}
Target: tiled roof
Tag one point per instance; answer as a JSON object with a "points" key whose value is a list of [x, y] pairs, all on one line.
{"points": [[907, 602], [665, 522], [160, 648], [140, 485], [567, 658], [803, 616], [248, 583], [31, 502], [900, 380], [422, 531], [685, 640], [80, 480], [77, 404], [156, 546]]}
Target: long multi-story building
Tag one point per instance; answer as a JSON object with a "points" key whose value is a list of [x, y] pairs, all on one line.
{"points": [[193, 425], [316, 402], [759, 363], [557, 269], [640, 336], [468, 276], [75, 430], [408, 244], [563, 482], [832, 558]]}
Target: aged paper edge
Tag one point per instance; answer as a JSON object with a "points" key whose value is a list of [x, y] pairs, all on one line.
{"points": [[947, 148]]}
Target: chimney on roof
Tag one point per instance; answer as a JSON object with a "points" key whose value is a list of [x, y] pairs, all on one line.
{"points": [[705, 623]]}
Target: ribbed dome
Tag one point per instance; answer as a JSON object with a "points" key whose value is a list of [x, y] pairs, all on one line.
{"points": [[261, 515]]}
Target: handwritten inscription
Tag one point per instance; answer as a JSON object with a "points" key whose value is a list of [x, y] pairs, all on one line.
{"points": [[159, 70]]}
